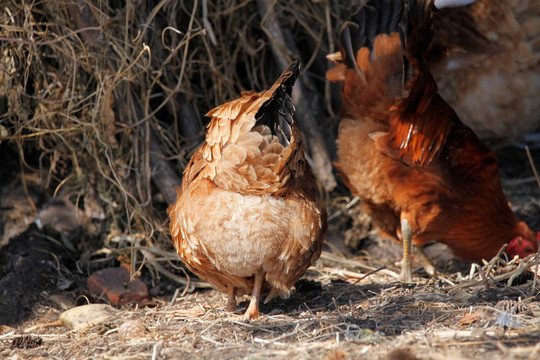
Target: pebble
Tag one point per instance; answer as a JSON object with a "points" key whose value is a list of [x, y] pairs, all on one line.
{"points": [[82, 317]]}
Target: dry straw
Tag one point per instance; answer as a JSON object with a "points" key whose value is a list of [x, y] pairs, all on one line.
{"points": [[104, 101]]}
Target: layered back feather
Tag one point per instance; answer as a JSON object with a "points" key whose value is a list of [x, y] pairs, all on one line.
{"points": [[252, 145]]}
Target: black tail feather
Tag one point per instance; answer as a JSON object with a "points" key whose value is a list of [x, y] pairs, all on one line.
{"points": [[277, 112], [377, 17]]}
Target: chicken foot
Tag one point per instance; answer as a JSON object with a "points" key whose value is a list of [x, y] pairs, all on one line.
{"points": [[252, 311], [406, 239]]}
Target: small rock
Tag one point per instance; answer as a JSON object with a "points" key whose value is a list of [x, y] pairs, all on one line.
{"points": [[131, 329], [82, 317], [116, 285]]}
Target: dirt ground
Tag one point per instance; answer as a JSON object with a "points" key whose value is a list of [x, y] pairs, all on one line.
{"points": [[348, 306]]}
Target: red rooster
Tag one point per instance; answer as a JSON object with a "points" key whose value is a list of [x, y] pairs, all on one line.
{"points": [[422, 173]]}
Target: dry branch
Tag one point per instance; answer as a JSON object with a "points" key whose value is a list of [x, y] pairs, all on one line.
{"points": [[165, 178]]}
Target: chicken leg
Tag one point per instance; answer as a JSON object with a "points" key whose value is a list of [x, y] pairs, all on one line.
{"points": [[252, 311], [231, 298], [406, 239], [424, 260]]}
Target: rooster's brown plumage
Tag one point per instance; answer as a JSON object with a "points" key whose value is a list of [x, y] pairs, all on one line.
{"points": [[422, 173]]}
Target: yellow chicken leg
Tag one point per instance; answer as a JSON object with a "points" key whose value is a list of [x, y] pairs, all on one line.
{"points": [[406, 238], [252, 311]]}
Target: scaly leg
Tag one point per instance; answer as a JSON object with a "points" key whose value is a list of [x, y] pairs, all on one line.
{"points": [[252, 311], [424, 260], [231, 298], [406, 238]]}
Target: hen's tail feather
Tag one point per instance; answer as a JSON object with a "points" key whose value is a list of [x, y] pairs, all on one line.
{"points": [[277, 112]]}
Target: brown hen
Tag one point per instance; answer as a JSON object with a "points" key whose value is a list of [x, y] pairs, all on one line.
{"points": [[246, 219], [490, 72], [423, 174]]}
